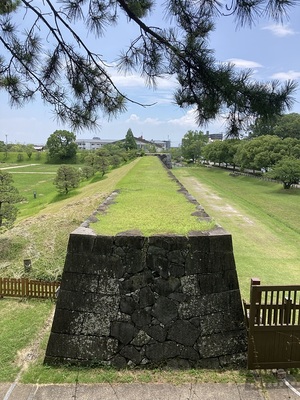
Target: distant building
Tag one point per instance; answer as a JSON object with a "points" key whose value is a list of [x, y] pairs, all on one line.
{"points": [[38, 147], [165, 144], [215, 136], [143, 144], [92, 144]]}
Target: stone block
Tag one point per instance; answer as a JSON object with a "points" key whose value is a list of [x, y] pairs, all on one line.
{"points": [[183, 332], [147, 297], [156, 332], [169, 242], [130, 353], [223, 343], [158, 352], [128, 305], [140, 318], [164, 287], [103, 245], [136, 282], [165, 310], [123, 331], [80, 243]]}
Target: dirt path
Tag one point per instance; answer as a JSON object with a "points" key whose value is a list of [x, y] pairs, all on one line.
{"points": [[19, 166], [204, 194]]}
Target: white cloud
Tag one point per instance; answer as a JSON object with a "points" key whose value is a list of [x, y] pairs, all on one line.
{"points": [[287, 75], [238, 62], [135, 80], [280, 30], [188, 120], [147, 121], [133, 118]]}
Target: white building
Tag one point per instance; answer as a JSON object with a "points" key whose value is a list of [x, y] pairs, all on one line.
{"points": [[92, 144]]}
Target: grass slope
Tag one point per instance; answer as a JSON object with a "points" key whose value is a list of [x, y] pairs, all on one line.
{"points": [[43, 237], [149, 201], [262, 217]]}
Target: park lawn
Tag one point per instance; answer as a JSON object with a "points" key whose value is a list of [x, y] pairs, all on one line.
{"points": [[20, 322], [262, 217], [35, 185], [42, 235], [148, 201]]}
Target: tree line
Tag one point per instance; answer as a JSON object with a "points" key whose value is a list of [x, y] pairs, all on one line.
{"points": [[273, 152]]}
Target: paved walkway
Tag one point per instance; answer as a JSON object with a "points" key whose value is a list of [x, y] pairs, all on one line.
{"points": [[205, 391]]}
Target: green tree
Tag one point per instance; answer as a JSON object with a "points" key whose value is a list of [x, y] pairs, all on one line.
{"points": [[176, 154], [262, 127], [98, 161], [259, 153], [8, 6], [263, 152], [192, 144], [287, 171], [283, 126], [29, 149], [61, 146], [129, 142], [215, 152], [9, 196], [103, 165], [91, 160], [54, 58], [67, 178], [288, 126], [87, 172]]}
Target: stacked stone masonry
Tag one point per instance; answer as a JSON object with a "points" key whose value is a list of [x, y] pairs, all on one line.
{"points": [[130, 300]]}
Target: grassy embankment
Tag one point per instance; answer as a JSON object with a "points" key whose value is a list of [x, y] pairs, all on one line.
{"points": [[255, 252], [42, 229], [262, 217], [148, 202]]}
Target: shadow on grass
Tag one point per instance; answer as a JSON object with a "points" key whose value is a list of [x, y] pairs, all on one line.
{"points": [[97, 178], [289, 192], [10, 248], [63, 196]]}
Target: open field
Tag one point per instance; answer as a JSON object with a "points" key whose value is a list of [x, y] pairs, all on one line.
{"points": [[266, 243], [43, 235], [262, 217]]}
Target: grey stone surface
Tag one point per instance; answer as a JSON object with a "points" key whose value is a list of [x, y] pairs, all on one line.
{"points": [[158, 391]]}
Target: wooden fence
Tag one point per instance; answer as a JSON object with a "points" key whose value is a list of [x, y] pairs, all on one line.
{"points": [[11, 287], [273, 323]]}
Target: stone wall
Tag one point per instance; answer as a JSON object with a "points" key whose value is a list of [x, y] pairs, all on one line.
{"points": [[130, 300]]}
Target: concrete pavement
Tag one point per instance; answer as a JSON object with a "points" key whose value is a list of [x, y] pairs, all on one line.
{"points": [[137, 391]]}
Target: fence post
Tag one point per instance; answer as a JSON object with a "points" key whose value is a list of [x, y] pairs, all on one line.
{"points": [[287, 310], [255, 298], [24, 284]]}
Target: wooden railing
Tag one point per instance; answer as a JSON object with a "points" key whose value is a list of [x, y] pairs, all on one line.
{"points": [[273, 323], [23, 287]]}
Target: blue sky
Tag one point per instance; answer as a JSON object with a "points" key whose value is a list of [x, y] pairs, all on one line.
{"points": [[271, 50]]}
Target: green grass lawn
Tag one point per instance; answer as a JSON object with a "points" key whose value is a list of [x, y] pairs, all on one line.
{"points": [[35, 185], [262, 217], [149, 202], [44, 224], [20, 322]]}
